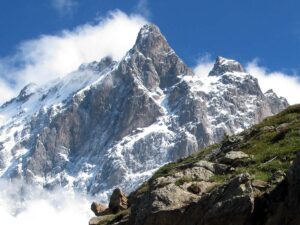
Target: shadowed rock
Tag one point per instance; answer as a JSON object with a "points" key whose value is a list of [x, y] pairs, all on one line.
{"points": [[118, 201]]}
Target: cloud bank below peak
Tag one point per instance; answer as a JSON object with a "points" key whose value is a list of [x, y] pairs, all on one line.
{"points": [[53, 56], [284, 85]]}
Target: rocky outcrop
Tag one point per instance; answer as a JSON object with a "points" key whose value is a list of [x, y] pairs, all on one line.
{"points": [[223, 65], [194, 203], [118, 201], [233, 157], [231, 203]]}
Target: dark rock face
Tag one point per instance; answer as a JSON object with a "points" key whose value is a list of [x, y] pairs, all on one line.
{"points": [[228, 204], [118, 201], [113, 123], [282, 205], [223, 65]]}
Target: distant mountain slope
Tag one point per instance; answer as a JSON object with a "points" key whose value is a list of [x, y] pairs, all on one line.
{"points": [[251, 178], [114, 123]]}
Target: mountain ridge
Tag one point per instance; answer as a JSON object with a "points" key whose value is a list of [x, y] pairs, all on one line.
{"points": [[114, 123]]}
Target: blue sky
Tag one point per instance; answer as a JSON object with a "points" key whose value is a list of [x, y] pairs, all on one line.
{"points": [[267, 29], [265, 33]]}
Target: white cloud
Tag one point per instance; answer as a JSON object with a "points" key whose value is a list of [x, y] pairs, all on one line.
{"points": [[204, 65], [142, 8], [53, 56], [284, 85], [6, 91], [65, 7], [27, 205]]}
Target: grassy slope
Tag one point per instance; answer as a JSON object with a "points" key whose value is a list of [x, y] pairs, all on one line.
{"points": [[272, 149]]}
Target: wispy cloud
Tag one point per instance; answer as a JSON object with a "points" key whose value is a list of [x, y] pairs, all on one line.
{"points": [[204, 65], [65, 7], [52, 56], [143, 9], [285, 85]]}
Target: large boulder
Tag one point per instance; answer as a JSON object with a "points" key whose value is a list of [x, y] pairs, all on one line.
{"points": [[233, 158], [118, 201], [98, 208]]}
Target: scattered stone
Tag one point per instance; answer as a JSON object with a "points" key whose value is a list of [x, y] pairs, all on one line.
{"points": [[233, 157], [230, 143], [195, 174], [199, 187], [278, 176], [268, 128], [216, 168], [163, 181], [118, 201], [282, 127], [171, 197], [98, 208], [260, 185]]}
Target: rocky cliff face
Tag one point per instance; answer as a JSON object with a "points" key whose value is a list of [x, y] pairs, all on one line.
{"points": [[114, 123], [247, 179]]}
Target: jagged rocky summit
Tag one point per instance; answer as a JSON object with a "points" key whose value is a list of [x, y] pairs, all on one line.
{"points": [[113, 123]]}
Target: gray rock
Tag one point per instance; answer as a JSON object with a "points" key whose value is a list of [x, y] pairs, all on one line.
{"points": [[223, 65], [198, 188], [233, 156], [98, 208], [195, 174], [118, 201], [232, 202], [171, 197], [216, 168]]}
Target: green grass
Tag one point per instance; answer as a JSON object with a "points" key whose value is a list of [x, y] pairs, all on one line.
{"points": [[272, 150], [183, 180], [219, 178]]}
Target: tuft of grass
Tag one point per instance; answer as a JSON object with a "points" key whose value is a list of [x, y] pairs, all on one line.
{"points": [[219, 178], [183, 180]]}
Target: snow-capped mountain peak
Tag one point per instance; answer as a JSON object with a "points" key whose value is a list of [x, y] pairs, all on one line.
{"points": [[114, 123], [150, 40], [223, 65]]}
